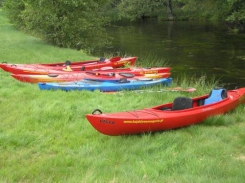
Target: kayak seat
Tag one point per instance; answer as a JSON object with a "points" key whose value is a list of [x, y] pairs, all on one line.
{"points": [[82, 68], [200, 102], [68, 62], [181, 103], [216, 95], [123, 80], [102, 59]]}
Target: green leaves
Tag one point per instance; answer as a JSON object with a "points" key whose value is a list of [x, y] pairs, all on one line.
{"points": [[139, 8], [65, 23], [236, 20]]}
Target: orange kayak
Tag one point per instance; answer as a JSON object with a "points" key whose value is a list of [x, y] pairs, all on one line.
{"points": [[96, 76]]}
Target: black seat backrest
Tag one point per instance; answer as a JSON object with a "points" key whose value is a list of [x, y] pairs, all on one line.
{"points": [[102, 59], [181, 103]]}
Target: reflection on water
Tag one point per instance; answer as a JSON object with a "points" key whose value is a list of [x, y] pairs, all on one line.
{"points": [[193, 48]]}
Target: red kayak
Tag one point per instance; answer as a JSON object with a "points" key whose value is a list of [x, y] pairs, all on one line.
{"points": [[181, 112], [96, 76], [136, 71], [114, 62]]}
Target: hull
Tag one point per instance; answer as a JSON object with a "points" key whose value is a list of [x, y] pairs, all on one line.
{"points": [[103, 86], [114, 62], [163, 117], [68, 77]]}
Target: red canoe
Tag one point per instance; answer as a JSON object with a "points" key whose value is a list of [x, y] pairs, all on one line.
{"points": [[114, 62], [67, 77], [182, 112]]}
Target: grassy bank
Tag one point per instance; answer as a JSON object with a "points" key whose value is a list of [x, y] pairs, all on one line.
{"points": [[44, 136]]}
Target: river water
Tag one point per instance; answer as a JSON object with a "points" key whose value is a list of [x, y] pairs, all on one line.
{"points": [[190, 48]]}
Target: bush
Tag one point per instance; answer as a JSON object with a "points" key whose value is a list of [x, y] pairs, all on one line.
{"points": [[236, 20], [74, 24]]}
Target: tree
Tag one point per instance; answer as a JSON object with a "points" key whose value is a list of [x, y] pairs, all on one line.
{"points": [[169, 9], [140, 9], [74, 24]]}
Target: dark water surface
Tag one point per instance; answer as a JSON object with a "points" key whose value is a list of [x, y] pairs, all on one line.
{"points": [[192, 48]]}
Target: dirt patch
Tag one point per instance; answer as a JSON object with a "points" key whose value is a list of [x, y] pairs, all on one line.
{"points": [[241, 157]]}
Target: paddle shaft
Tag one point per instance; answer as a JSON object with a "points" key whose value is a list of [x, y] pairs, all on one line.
{"points": [[169, 89], [177, 89]]}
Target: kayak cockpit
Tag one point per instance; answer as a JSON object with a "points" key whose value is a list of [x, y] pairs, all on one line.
{"points": [[182, 103]]}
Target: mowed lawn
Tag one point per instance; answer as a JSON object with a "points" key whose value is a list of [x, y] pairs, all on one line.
{"points": [[45, 137]]}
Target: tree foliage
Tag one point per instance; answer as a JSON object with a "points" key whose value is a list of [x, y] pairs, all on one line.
{"points": [[208, 9], [14, 10], [231, 11], [66, 23], [214, 10], [144, 8], [136, 9], [236, 20]]}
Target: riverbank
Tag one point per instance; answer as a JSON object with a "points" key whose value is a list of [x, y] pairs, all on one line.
{"points": [[45, 137]]}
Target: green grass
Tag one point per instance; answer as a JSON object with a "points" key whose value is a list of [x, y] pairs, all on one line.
{"points": [[44, 136]]}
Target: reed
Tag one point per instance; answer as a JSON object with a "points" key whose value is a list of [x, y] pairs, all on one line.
{"points": [[45, 137]]}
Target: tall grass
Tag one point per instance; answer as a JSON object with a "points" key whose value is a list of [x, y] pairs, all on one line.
{"points": [[44, 136]]}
